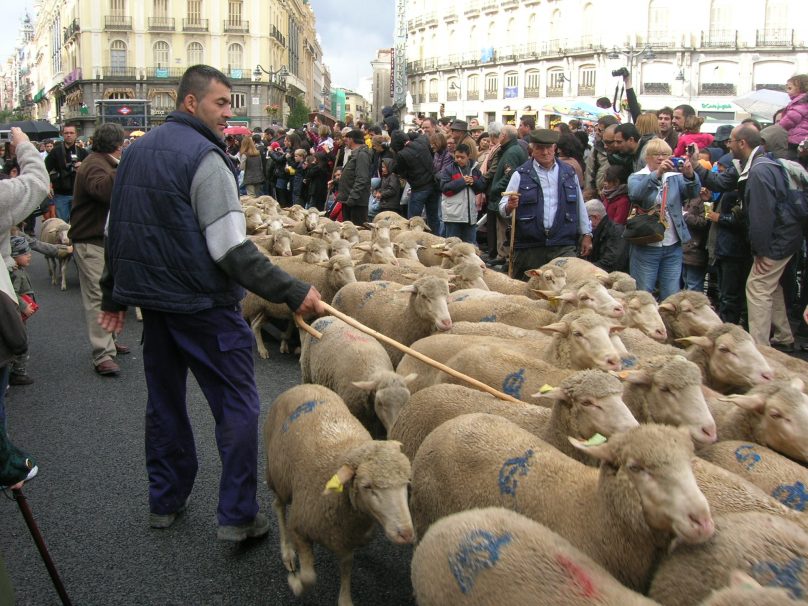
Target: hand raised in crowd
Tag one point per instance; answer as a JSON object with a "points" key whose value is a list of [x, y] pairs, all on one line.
{"points": [[694, 157], [665, 166], [17, 136]]}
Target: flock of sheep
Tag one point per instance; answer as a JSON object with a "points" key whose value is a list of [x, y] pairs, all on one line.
{"points": [[655, 455]]}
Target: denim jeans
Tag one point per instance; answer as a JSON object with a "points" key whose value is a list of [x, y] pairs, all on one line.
{"points": [[429, 199], [693, 277], [464, 231], [657, 264], [63, 205]]}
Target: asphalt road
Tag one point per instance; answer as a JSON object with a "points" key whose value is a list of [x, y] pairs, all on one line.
{"points": [[90, 498]]}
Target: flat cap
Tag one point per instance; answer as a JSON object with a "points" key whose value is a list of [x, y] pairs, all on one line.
{"points": [[543, 136], [460, 125]]}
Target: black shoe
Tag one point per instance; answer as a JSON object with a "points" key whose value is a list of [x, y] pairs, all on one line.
{"points": [[784, 347], [18, 379]]}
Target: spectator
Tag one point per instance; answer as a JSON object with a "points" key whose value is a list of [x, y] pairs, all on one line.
{"points": [[630, 147], [297, 172], [795, 117], [459, 133], [483, 148], [680, 114], [694, 251], [354, 190], [250, 164], [21, 254], [441, 158], [571, 153], [609, 249], [597, 162], [648, 126], [502, 162], [527, 124], [562, 128], [459, 184], [429, 127], [476, 131], [692, 135], [317, 180], [614, 194], [665, 126], [390, 188], [550, 211], [658, 185], [62, 163], [414, 165], [718, 147], [775, 138]]}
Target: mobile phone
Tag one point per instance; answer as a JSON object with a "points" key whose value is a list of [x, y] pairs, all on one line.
{"points": [[691, 149]]}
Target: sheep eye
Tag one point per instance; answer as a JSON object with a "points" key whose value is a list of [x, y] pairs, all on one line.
{"points": [[664, 388], [577, 333], [583, 298], [635, 468], [775, 415], [587, 403], [723, 349]]}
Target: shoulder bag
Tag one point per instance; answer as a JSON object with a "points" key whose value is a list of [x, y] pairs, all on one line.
{"points": [[647, 226]]}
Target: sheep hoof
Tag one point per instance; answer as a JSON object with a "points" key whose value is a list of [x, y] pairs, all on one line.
{"points": [[288, 556], [297, 351], [295, 584], [284, 347], [263, 354]]}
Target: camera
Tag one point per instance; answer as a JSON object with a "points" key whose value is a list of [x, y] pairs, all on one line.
{"points": [[677, 162], [5, 135], [691, 149], [620, 73]]}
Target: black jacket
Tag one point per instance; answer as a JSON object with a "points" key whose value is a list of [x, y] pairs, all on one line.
{"points": [[414, 161], [13, 337], [60, 167], [609, 250]]}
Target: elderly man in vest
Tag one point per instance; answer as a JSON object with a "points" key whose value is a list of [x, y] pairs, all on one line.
{"points": [[550, 212], [176, 247]]}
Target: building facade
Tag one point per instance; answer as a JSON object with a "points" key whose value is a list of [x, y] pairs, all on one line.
{"points": [[501, 59], [356, 105], [85, 51], [382, 90]]}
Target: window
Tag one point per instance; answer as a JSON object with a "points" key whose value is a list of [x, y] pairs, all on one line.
{"points": [[117, 8], [234, 12], [160, 9], [235, 56], [555, 25], [117, 95], [722, 15], [162, 102], [586, 80], [117, 57], [491, 82], [194, 11], [161, 54], [512, 79], [238, 100], [532, 82], [195, 54], [659, 15], [588, 23], [777, 14], [473, 88], [531, 28]]}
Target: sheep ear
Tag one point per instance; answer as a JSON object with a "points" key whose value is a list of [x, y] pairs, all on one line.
{"points": [[370, 226], [443, 253], [561, 328], [545, 294], [344, 475], [568, 295], [594, 447], [366, 385], [703, 342], [668, 306], [751, 402], [739, 579], [637, 377], [410, 288], [605, 280], [323, 264], [535, 273], [298, 250], [616, 328], [410, 377]]}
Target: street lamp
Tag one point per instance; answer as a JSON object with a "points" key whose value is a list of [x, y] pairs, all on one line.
{"points": [[644, 54], [280, 73]]}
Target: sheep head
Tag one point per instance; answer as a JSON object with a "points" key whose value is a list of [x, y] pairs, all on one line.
{"points": [[585, 336], [428, 299]]}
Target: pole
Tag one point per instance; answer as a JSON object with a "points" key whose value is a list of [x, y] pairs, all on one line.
{"points": [[513, 241]]}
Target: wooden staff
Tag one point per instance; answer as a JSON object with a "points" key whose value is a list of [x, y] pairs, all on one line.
{"points": [[513, 233], [415, 354]]}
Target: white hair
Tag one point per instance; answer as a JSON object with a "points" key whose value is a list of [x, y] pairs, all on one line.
{"points": [[494, 128], [595, 207]]}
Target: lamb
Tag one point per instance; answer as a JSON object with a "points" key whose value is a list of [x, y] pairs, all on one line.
{"points": [[547, 277], [357, 368], [769, 549], [407, 250], [577, 270], [349, 232], [773, 415], [641, 312], [688, 313], [330, 232], [585, 403], [403, 313], [667, 390], [619, 281], [728, 359], [311, 436], [380, 228], [462, 252], [328, 277], [773, 473], [493, 556], [339, 247], [426, 255], [392, 216], [309, 223], [621, 516], [467, 274], [54, 231]]}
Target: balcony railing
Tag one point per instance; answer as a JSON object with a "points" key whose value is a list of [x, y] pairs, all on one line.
{"points": [[473, 94], [431, 19], [117, 22], [491, 94], [71, 30], [433, 97], [276, 35], [717, 88], [555, 91], [450, 16], [115, 72], [775, 37], [236, 27], [779, 86], [720, 38], [656, 88], [490, 6], [586, 91], [77, 114], [161, 24], [452, 95], [472, 8], [194, 25], [165, 72], [510, 3], [533, 92]]}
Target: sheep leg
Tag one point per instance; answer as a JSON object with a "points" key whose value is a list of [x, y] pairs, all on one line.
{"points": [[52, 265], [138, 314], [305, 577], [288, 553], [286, 336], [63, 266], [256, 324], [345, 567]]}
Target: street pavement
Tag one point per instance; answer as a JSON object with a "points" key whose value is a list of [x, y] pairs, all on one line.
{"points": [[90, 497]]}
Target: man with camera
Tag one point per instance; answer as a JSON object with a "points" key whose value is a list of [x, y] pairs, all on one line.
{"points": [[62, 163]]}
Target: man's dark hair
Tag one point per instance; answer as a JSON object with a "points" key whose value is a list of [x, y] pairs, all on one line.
{"points": [[753, 122], [108, 137], [339, 125], [356, 136], [665, 110], [445, 121], [603, 103], [747, 132], [46, 141], [629, 131], [528, 121], [375, 130], [607, 120], [432, 121], [463, 149], [196, 81], [617, 172], [269, 131], [687, 110]]}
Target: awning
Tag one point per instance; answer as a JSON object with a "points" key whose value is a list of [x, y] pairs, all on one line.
{"points": [[39, 96]]}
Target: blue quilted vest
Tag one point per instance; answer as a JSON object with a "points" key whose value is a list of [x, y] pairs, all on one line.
{"points": [[530, 231], [157, 254]]}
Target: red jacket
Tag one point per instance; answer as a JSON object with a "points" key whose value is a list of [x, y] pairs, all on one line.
{"points": [[617, 206], [703, 140]]}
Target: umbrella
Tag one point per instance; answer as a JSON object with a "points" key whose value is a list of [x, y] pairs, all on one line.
{"points": [[36, 130], [577, 109], [237, 130], [136, 133], [763, 102]]}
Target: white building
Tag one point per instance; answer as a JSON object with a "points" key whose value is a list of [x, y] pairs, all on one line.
{"points": [[501, 59]]}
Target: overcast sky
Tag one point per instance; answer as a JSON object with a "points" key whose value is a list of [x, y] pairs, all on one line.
{"points": [[351, 31]]}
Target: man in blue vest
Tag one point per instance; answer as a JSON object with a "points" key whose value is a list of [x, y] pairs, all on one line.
{"points": [[176, 247], [550, 211]]}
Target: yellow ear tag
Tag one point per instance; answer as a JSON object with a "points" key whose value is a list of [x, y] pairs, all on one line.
{"points": [[545, 388], [596, 440], [623, 374], [334, 484]]}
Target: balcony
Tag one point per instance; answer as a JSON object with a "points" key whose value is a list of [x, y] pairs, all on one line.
{"points": [[586, 91], [237, 73], [782, 38], [533, 92], [510, 3], [119, 73], [781, 87], [555, 91], [656, 88], [78, 114], [433, 97], [719, 38], [161, 24], [431, 20], [473, 94], [194, 25], [717, 89], [232, 26], [659, 39], [71, 30], [472, 9], [162, 73], [491, 94], [452, 95], [277, 36], [117, 23], [490, 6], [450, 17]]}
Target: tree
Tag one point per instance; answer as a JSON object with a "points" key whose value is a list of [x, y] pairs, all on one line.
{"points": [[299, 114]]}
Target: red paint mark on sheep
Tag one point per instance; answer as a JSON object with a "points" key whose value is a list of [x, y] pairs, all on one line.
{"points": [[578, 575]]}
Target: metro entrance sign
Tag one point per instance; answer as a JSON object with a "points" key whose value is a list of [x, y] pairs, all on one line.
{"points": [[125, 110]]}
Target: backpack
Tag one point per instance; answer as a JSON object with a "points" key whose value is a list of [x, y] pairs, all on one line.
{"points": [[797, 179]]}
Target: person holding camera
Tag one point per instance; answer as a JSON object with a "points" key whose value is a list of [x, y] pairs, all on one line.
{"points": [[62, 163]]}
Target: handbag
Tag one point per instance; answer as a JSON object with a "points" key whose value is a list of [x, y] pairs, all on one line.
{"points": [[647, 226]]}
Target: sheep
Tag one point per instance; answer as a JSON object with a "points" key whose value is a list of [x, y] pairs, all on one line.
{"points": [[349, 232], [688, 313], [770, 549], [667, 390], [390, 215], [254, 219], [278, 243], [514, 310], [378, 251], [494, 329], [407, 250], [311, 436], [417, 224], [401, 273], [728, 359], [641, 312], [776, 475], [619, 281], [499, 282], [380, 228], [622, 516], [583, 404], [577, 270], [403, 313], [494, 556], [773, 415], [589, 294], [744, 590], [459, 253], [547, 277], [426, 255], [54, 231], [357, 368], [329, 231], [309, 223], [327, 276], [339, 247]]}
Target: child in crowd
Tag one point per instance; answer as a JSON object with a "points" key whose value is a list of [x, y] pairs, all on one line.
{"points": [[21, 254], [298, 173], [334, 207], [316, 181], [614, 193], [389, 192], [691, 134]]}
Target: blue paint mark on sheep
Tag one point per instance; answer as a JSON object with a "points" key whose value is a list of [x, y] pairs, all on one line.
{"points": [[376, 274], [774, 574], [459, 298], [513, 383], [747, 456], [628, 362], [560, 262], [491, 318], [298, 412], [479, 550], [792, 495], [511, 469]]}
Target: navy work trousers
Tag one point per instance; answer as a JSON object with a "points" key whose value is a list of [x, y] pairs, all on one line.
{"points": [[216, 345]]}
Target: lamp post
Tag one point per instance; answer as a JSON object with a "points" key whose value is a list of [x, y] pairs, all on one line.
{"points": [[277, 79]]}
